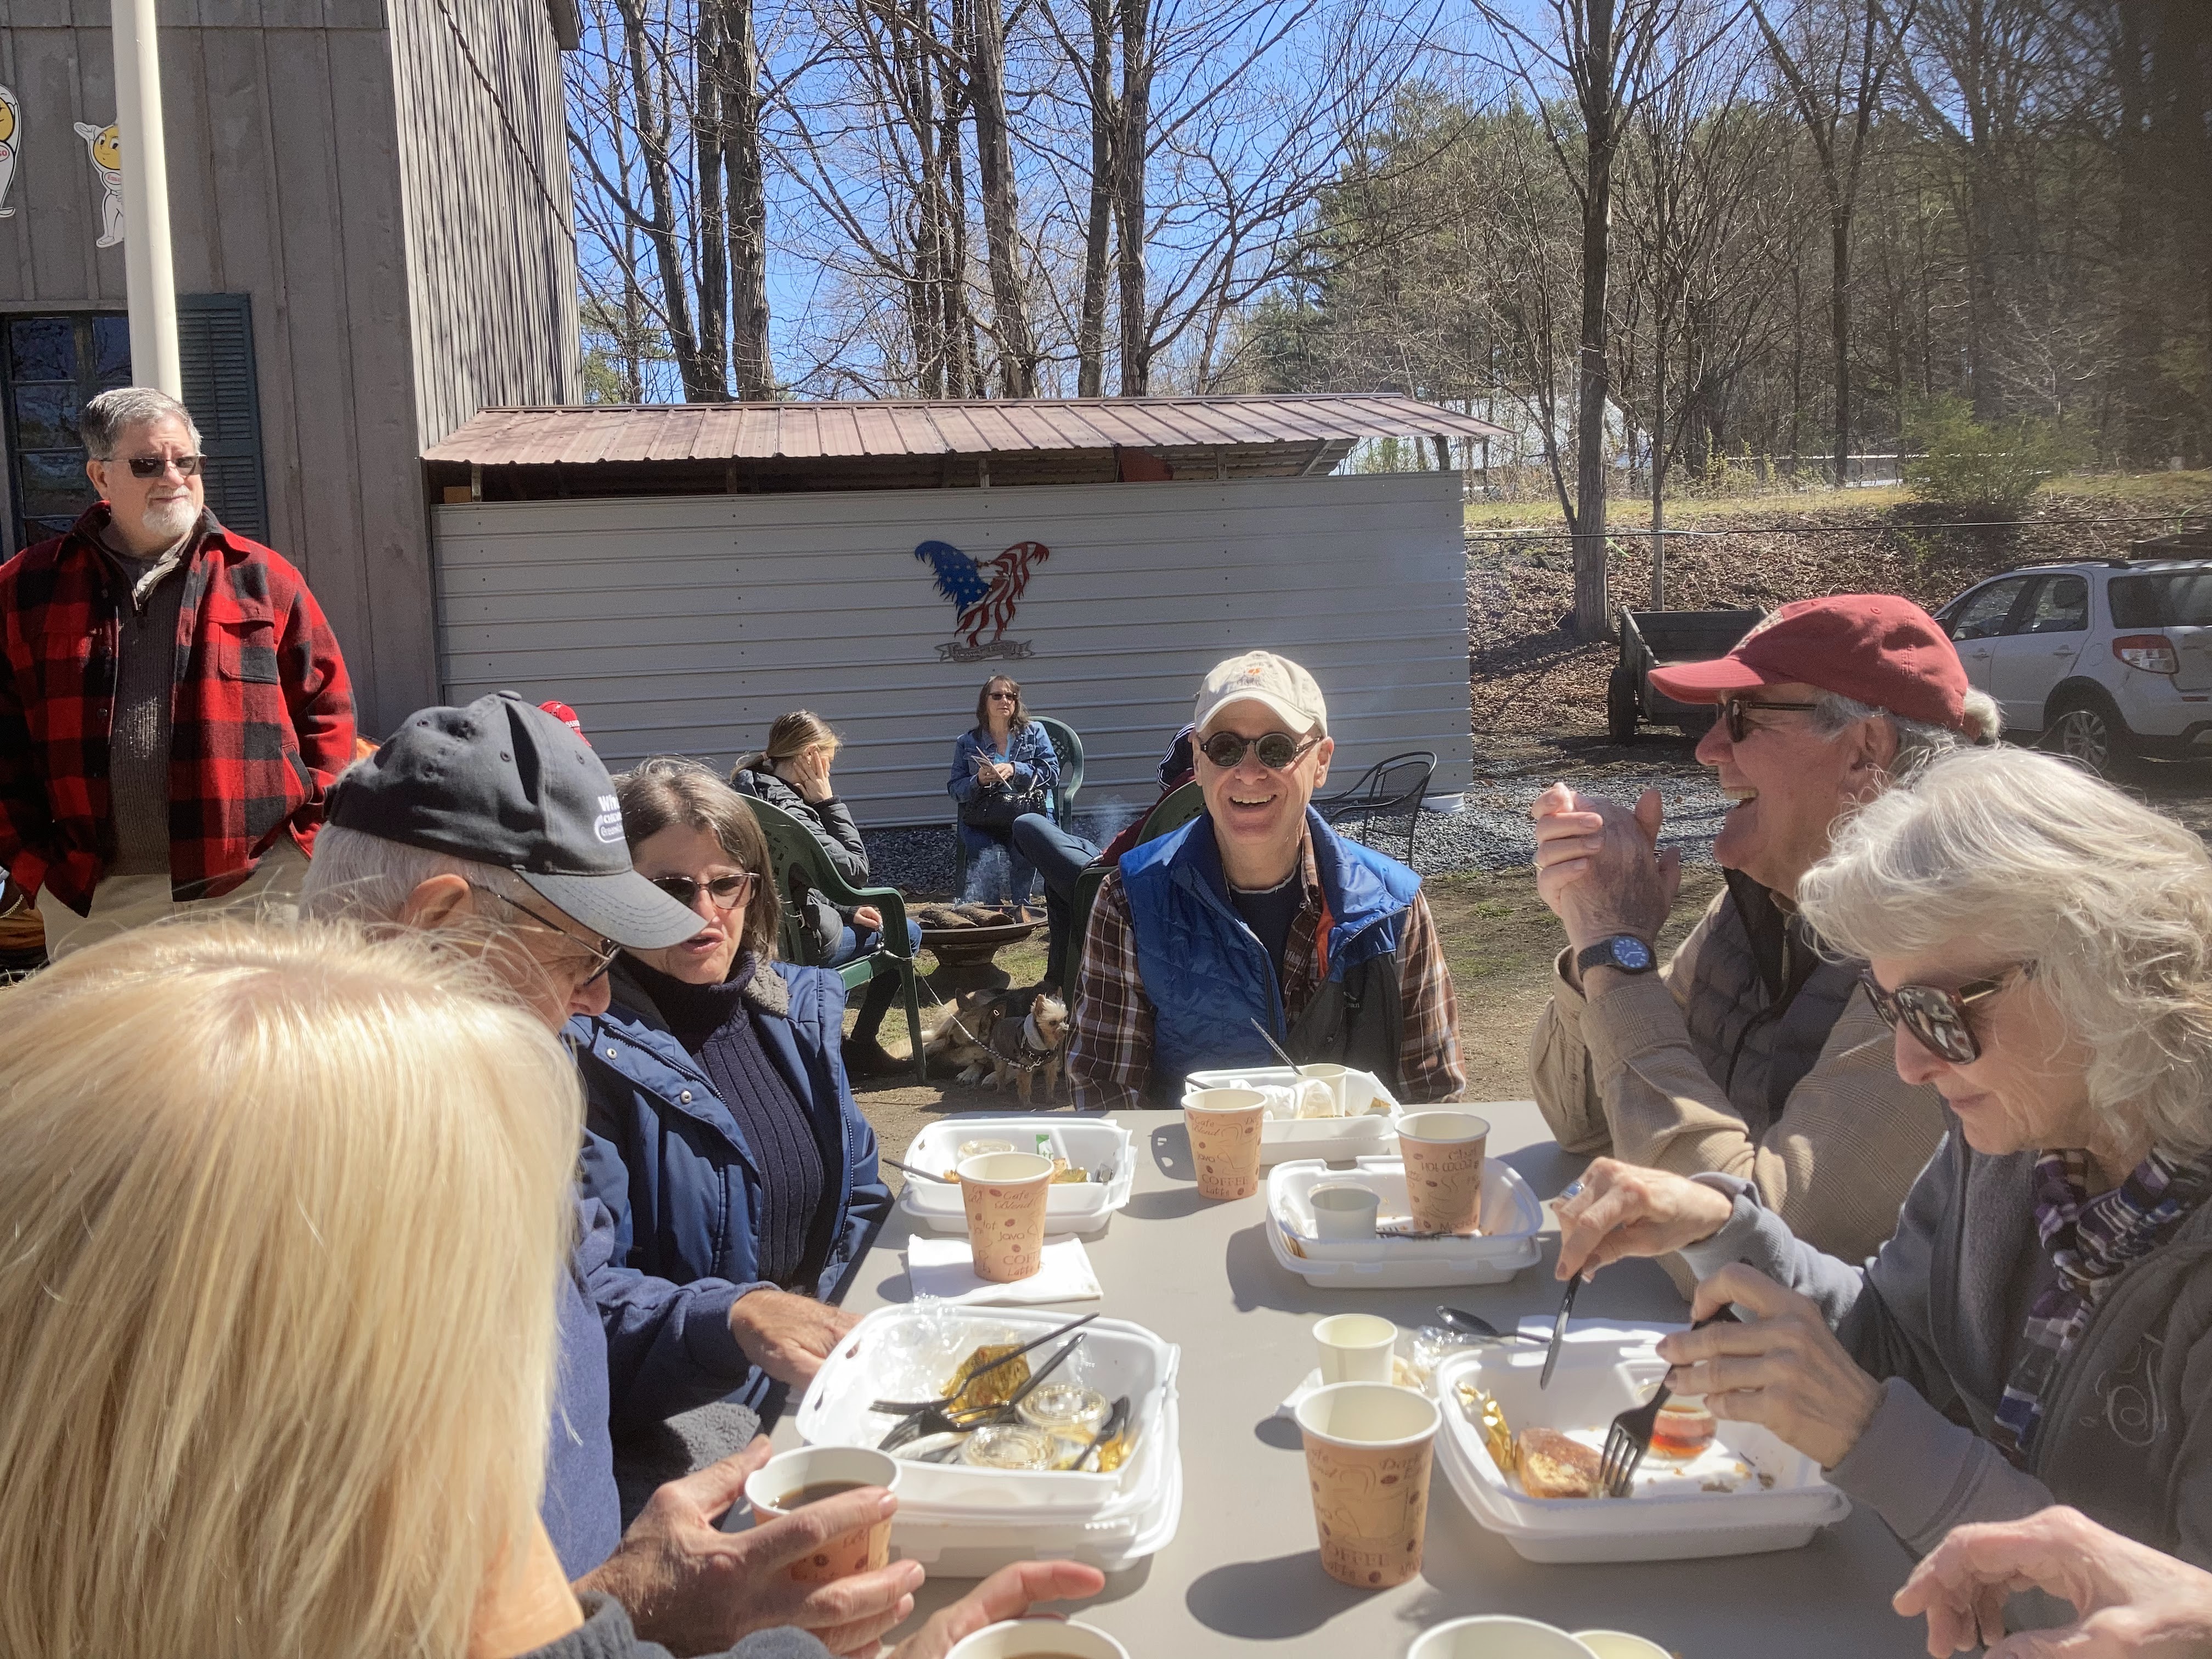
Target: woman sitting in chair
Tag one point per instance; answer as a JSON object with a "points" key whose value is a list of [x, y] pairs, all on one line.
{"points": [[1000, 770], [723, 1134], [792, 772]]}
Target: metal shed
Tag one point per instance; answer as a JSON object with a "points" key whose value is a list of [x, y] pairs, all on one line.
{"points": [[877, 562]]}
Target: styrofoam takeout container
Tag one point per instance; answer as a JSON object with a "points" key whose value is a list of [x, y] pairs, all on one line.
{"points": [[1511, 1218], [961, 1521], [1084, 1207], [1338, 1138], [1604, 1369]]}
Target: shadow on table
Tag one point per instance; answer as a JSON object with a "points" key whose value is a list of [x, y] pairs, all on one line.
{"points": [[1278, 1432], [1269, 1601], [1170, 1206], [1547, 1169], [1172, 1151]]}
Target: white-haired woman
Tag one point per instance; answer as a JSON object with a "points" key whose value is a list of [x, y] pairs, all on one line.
{"points": [[288, 1211], [2040, 1328]]}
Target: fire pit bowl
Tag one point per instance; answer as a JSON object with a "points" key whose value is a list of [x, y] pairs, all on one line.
{"points": [[964, 954]]}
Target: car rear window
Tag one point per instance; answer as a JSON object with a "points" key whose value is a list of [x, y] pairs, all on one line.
{"points": [[2181, 598]]}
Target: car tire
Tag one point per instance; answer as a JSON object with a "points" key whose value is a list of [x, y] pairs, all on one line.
{"points": [[2087, 729], [1620, 705]]}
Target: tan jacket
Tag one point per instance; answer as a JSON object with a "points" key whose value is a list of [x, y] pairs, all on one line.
{"points": [[1623, 1077]]}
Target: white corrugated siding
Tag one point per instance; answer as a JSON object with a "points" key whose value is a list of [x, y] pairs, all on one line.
{"points": [[686, 624]]}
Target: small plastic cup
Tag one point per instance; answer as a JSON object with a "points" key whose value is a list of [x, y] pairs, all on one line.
{"points": [[1354, 1347], [1005, 1194], [773, 1489], [1039, 1637], [1342, 1211], [1497, 1635], [1225, 1139], [1443, 1154], [1352, 1091], [1368, 1450]]}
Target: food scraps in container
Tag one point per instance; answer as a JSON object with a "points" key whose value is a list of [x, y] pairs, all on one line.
{"points": [[996, 1386], [1545, 1462]]}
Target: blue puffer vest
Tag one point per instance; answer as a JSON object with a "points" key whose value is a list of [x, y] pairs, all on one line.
{"points": [[1208, 976]]}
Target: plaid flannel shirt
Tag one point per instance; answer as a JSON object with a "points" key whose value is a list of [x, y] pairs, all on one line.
{"points": [[262, 720], [1109, 1045]]}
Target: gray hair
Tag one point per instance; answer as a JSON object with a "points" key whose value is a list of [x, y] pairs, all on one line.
{"points": [[358, 876], [2029, 859], [102, 423], [1918, 742]]}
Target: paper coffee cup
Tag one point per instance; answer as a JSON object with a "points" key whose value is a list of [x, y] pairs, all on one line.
{"points": [[1225, 1139], [1037, 1637], [1355, 1347], [1498, 1636], [774, 1490], [1367, 1452], [1005, 1195], [1352, 1091], [1444, 1169], [1342, 1211]]}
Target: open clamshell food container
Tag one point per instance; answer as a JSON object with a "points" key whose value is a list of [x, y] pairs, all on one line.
{"points": [[1280, 1138], [1746, 1493], [1511, 1219], [1075, 1207], [961, 1521]]}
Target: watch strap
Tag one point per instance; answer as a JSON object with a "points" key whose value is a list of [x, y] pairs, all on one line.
{"points": [[1608, 953]]}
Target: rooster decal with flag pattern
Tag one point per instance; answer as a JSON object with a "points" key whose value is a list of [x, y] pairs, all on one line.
{"points": [[983, 596]]}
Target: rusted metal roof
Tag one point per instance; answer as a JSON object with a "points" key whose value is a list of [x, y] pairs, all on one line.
{"points": [[589, 434]]}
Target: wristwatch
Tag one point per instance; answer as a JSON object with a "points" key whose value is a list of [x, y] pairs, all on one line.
{"points": [[1624, 952]]}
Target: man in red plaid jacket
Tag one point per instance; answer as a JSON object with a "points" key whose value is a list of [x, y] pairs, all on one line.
{"points": [[173, 704]]}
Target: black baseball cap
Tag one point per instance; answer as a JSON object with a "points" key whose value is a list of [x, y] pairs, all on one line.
{"points": [[504, 783]]}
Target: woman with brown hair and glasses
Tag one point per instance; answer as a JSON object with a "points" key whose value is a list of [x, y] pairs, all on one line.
{"points": [[723, 1131], [1001, 769], [2039, 1329]]}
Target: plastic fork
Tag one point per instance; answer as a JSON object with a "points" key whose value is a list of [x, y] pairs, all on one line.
{"points": [[936, 1420], [1629, 1439]]}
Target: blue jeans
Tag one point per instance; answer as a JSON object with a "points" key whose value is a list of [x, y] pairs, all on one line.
{"points": [[983, 884], [1060, 858], [882, 990]]}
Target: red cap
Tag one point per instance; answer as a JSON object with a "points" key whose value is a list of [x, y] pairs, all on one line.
{"points": [[1874, 648], [565, 715]]}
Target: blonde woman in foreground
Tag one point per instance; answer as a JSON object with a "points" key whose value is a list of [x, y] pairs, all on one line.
{"points": [[276, 1320]]}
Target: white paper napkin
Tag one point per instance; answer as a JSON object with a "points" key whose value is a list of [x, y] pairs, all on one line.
{"points": [[944, 1268]]}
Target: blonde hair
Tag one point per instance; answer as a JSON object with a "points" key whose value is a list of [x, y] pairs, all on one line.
{"points": [[2025, 858], [287, 1209], [792, 736]]}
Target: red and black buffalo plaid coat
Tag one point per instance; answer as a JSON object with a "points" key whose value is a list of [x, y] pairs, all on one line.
{"points": [[262, 720]]}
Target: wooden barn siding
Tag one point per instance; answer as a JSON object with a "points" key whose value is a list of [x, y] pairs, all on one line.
{"points": [[491, 266], [687, 625], [284, 185]]}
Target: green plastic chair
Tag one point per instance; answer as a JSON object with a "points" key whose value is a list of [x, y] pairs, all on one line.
{"points": [[798, 862], [1171, 813], [1068, 745]]}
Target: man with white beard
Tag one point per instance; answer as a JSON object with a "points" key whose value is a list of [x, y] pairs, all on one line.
{"points": [[173, 704]]}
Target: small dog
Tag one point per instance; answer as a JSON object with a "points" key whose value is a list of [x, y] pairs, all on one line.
{"points": [[1024, 1044], [962, 1037]]}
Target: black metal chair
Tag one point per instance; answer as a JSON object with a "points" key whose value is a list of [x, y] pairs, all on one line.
{"points": [[1385, 788]]}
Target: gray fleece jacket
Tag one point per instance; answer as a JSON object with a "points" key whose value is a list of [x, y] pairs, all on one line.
{"points": [[830, 822], [2126, 1435]]}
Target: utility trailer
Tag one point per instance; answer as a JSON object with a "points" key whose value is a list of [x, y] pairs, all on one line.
{"points": [[1653, 639]]}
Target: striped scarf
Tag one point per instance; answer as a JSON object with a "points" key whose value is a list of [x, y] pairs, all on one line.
{"points": [[2090, 1241]]}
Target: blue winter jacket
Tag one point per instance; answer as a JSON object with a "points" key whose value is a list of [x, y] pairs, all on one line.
{"points": [[672, 1165], [1208, 975], [1036, 763]]}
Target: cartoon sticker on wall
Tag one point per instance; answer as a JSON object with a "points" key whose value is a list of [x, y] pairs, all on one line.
{"points": [[983, 595], [107, 147], [10, 119]]}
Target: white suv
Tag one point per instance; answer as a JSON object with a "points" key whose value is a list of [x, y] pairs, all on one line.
{"points": [[2104, 659]]}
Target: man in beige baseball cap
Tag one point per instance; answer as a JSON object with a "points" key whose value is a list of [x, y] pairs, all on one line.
{"points": [[1257, 911]]}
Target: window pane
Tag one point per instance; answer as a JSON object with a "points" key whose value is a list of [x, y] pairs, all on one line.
{"points": [[40, 529], [54, 483], [111, 350], [2181, 600], [45, 416], [2062, 606], [43, 349], [1983, 615]]}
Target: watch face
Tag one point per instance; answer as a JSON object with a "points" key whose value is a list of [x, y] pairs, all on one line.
{"points": [[1633, 954]]}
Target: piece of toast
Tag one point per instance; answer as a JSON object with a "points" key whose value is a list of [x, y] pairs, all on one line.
{"points": [[1553, 1465]]}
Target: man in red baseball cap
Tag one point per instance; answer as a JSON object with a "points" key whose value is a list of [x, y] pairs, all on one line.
{"points": [[1750, 1052]]}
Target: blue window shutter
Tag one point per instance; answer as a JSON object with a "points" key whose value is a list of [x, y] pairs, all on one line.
{"points": [[214, 347]]}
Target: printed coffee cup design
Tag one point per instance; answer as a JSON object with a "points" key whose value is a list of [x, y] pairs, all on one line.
{"points": [[1005, 1194], [1225, 1139], [1369, 1448], [1443, 1153], [786, 1475]]}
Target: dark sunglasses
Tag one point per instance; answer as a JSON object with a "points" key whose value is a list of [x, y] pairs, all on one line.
{"points": [[602, 954], [1006, 696], [1733, 710], [1937, 1018], [727, 891], [1277, 750], [153, 466]]}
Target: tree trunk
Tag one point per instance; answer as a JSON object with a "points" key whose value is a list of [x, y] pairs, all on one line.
{"points": [[1131, 132], [1090, 330], [653, 148], [995, 164], [1593, 601], [1839, 325], [712, 249], [747, 206]]}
